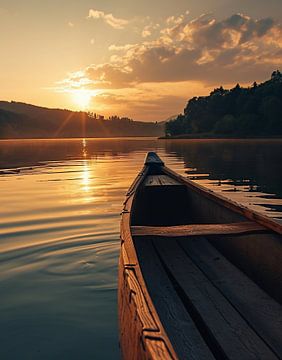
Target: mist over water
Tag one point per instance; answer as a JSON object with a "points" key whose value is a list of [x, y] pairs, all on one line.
{"points": [[59, 230]]}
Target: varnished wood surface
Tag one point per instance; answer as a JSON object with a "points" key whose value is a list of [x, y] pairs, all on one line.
{"points": [[262, 312], [157, 347], [197, 229], [130, 326], [136, 343], [142, 308]]}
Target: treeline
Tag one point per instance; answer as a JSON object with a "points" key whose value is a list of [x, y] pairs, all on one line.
{"points": [[252, 111], [19, 120]]}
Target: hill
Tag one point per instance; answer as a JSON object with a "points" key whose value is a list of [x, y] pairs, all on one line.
{"points": [[255, 111], [20, 120]]}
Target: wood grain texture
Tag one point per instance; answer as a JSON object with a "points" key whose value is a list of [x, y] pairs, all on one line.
{"points": [[222, 326], [161, 180], [137, 339], [130, 326], [136, 294], [197, 229], [158, 348], [262, 312], [180, 328]]}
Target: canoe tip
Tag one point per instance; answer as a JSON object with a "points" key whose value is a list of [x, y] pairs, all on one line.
{"points": [[152, 158]]}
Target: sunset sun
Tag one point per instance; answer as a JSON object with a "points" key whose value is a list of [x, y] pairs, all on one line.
{"points": [[82, 98]]}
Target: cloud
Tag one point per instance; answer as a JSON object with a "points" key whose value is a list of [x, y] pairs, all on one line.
{"points": [[204, 50], [146, 32], [126, 47], [114, 22], [175, 20], [149, 30]]}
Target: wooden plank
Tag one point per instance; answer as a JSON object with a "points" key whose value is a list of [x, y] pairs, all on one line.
{"points": [[153, 159], [142, 308], [160, 180], [180, 328], [157, 348], [130, 326], [222, 326], [262, 312], [197, 229]]}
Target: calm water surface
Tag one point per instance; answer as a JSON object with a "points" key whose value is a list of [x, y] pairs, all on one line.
{"points": [[59, 230]]}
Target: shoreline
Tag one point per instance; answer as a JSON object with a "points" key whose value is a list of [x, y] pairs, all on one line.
{"points": [[218, 137]]}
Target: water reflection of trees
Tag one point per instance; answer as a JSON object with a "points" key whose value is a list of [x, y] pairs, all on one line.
{"points": [[258, 161]]}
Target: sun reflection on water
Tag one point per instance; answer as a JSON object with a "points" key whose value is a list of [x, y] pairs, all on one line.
{"points": [[85, 169], [86, 176], [84, 145]]}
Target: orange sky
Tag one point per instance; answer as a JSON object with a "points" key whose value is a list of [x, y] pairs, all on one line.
{"points": [[138, 59]]}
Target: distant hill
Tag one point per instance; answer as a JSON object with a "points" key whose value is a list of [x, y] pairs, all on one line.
{"points": [[255, 111], [20, 120]]}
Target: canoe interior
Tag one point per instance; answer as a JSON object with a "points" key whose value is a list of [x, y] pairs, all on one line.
{"points": [[208, 307], [167, 205], [257, 254], [217, 296]]}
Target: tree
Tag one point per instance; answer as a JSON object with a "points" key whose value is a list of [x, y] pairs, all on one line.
{"points": [[246, 111], [226, 125]]}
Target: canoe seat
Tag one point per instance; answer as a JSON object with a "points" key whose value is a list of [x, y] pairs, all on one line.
{"points": [[197, 229], [161, 180]]}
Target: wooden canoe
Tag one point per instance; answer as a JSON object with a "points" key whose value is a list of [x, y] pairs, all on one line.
{"points": [[199, 275]]}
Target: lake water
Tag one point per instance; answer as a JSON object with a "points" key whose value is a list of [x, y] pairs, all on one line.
{"points": [[59, 230]]}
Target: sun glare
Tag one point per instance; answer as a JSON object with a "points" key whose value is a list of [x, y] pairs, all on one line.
{"points": [[82, 99]]}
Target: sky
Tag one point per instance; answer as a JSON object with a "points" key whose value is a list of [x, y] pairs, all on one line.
{"points": [[141, 59]]}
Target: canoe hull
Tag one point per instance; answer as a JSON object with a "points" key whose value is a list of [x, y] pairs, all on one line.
{"points": [[154, 313]]}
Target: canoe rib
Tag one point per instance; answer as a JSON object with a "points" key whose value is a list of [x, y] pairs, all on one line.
{"points": [[198, 229]]}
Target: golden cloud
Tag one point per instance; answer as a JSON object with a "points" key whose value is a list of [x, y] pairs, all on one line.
{"points": [[114, 22]]}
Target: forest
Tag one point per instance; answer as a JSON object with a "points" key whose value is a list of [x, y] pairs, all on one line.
{"points": [[255, 111]]}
